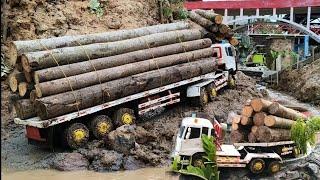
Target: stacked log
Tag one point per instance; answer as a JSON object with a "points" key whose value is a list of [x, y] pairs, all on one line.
{"points": [[212, 23], [66, 74], [268, 122]]}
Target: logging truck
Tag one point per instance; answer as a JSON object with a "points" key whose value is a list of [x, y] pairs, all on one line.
{"points": [[74, 129], [257, 157]]}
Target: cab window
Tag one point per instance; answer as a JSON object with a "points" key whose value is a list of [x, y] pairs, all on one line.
{"points": [[193, 133], [205, 130], [181, 131]]}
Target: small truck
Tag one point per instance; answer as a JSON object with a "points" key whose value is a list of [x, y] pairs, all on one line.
{"points": [[257, 157], [75, 129]]}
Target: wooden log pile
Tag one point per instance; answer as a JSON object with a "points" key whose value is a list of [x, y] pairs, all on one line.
{"points": [[214, 28], [65, 74], [262, 120]]}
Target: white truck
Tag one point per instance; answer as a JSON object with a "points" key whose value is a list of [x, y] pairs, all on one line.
{"points": [[73, 129], [257, 157]]}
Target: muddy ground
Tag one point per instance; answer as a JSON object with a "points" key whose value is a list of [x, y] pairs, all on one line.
{"points": [[153, 143]]}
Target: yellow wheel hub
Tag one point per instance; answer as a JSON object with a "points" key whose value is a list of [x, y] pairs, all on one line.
{"points": [[205, 98], [127, 118], [103, 128], [198, 163], [79, 135], [275, 168], [232, 82], [258, 166], [213, 92]]}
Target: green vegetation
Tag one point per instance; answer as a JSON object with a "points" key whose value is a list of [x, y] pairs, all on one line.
{"points": [[303, 132], [181, 14], [96, 7], [207, 172]]}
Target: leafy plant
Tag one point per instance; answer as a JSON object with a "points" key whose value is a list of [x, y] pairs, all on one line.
{"points": [[181, 14], [167, 12], [303, 132], [96, 7]]}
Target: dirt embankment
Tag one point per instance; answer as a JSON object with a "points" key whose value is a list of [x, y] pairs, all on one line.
{"points": [[303, 83]]}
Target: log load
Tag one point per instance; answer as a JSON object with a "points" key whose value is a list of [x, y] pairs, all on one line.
{"points": [[14, 80], [24, 109], [274, 121], [239, 136], [44, 59], [252, 137], [53, 73], [266, 134], [236, 119], [207, 24], [259, 104], [247, 111], [104, 75], [258, 118], [59, 104], [24, 88], [216, 18], [281, 111], [20, 47]]}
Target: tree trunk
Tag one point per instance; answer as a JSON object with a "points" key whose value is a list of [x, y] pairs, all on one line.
{"points": [[63, 103], [258, 118], [104, 75], [247, 111], [281, 111], [14, 79], [216, 18], [246, 121], [252, 137], [260, 104], [21, 47], [274, 121], [238, 136], [24, 109], [265, 134], [118, 60], [67, 55], [24, 89], [233, 41], [207, 24]]}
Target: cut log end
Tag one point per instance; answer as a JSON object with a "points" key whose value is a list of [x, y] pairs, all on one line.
{"points": [[233, 41], [259, 104], [27, 76], [218, 19], [246, 121], [254, 129], [269, 121], [25, 63], [258, 118], [247, 111], [12, 54], [13, 83], [38, 91], [23, 87], [36, 78]]}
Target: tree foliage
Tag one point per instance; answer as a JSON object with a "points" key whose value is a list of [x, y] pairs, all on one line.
{"points": [[96, 7]]}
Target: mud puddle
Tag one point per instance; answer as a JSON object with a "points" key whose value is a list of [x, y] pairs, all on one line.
{"points": [[141, 174]]}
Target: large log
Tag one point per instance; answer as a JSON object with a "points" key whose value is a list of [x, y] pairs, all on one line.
{"points": [[20, 47], [104, 75], [205, 23], [238, 136], [14, 79], [67, 102], [258, 118], [246, 121], [252, 137], [247, 111], [24, 88], [52, 73], [266, 134], [274, 121], [67, 55], [281, 111], [216, 18], [24, 109], [259, 104]]}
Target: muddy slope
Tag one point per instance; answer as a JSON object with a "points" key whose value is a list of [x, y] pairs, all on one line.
{"points": [[303, 83]]}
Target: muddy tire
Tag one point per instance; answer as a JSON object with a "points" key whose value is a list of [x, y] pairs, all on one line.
{"points": [[201, 100], [257, 166], [100, 126], [124, 116], [212, 92], [197, 160], [274, 167], [76, 135], [296, 152]]}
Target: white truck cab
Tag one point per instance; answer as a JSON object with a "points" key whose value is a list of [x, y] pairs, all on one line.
{"points": [[226, 55], [189, 149]]}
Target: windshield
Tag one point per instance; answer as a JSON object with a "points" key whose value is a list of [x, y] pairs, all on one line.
{"points": [[181, 131]]}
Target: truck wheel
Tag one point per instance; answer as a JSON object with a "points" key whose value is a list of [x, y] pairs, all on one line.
{"points": [[257, 166], [212, 92], [296, 152], [76, 135], [274, 167], [197, 160], [231, 82], [100, 126], [124, 116]]}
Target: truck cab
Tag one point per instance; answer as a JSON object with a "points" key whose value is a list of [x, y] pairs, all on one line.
{"points": [[226, 56], [189, 150]]}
